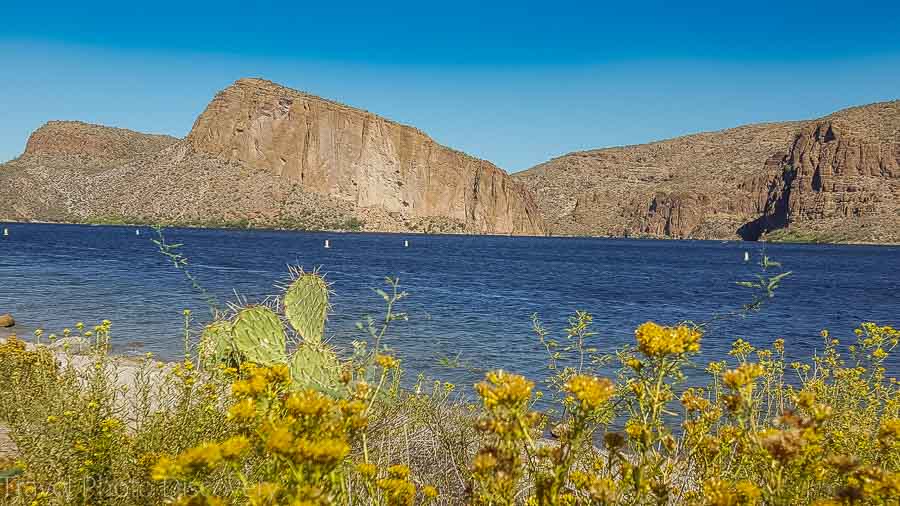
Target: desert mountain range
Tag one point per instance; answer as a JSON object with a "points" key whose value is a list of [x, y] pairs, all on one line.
{"points": [[264, 155]]}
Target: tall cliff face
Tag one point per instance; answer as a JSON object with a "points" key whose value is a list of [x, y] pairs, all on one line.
{"points": [[681, 188], [267, 156], [841, 169], [358, 157], [833, 179]]}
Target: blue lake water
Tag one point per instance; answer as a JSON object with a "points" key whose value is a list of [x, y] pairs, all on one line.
{"points": [[469, 296]]}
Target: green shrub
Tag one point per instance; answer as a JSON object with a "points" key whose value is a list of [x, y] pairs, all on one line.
{"points": [[218, 428]]}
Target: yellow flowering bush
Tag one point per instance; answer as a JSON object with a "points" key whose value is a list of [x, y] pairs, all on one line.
{"points": [[300, 440], [750, 436], [656, 341], [291, 447], [643, 425], [18, 365], [89, 427]]}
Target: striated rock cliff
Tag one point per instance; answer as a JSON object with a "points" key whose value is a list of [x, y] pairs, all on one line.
{"points": [[841, 170], [680, 188], [264, 155], [834, 179], [356, 156]]}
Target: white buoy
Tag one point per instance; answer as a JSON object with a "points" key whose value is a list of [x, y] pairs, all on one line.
{"points": [[746, 256], [5, 232], [405, 243], [327, 244], [137, 232]]}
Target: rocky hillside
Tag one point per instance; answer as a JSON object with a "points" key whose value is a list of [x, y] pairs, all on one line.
{"points": [[92, 145], [834, 179], [264, 155]]}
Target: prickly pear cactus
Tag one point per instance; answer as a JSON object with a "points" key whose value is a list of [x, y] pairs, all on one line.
{"points": [[259, 336], [217, 344], [316, 366], [306, 306]]}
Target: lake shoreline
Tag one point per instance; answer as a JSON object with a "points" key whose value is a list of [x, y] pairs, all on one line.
{"points": [[471, 296], [426, 234]]}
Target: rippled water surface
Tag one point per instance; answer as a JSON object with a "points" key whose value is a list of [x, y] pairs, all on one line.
{"points": [[469, 296]]}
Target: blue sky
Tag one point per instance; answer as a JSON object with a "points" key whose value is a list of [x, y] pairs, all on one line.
{"points": [[515, 83]]}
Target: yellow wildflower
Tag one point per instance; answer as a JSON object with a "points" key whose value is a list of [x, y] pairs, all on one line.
{"points": [[889, 432], [234, 447], [504, 389], [280, 440], [240, 388], [743, 376], [741, 348], [165, 469], [779, 345], [398, 492], [279, 374], [590, 392], [366, 470], [258, 382], [110, 424], [387, 361], [308, 403], [398, 471], [329, 451], [722, 493], [243, 410], [634, 363], [484, 462], [601, 490], [658, 341], [637, 431], [693, 401]]}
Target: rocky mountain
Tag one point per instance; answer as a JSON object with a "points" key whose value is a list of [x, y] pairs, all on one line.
{"points": [[834, 179], [265, 155]]}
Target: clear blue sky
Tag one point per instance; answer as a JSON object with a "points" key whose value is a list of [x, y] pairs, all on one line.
{"points": [[515, 83]]}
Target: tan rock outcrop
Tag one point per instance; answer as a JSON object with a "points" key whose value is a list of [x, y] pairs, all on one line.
{"points": [[93, 142], [838, 170], [265, 156], [356, 156], [832, 179]]}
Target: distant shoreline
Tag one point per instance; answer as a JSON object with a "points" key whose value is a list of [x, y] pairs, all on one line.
{"points": [[345, 231]]}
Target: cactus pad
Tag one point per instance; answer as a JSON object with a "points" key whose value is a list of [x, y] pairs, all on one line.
{"points": [[306, 306], [259, 336], [316, 366]]}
